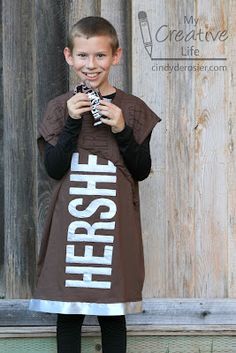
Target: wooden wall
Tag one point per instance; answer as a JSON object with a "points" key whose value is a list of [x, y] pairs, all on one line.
{"points": [[1, 172], [34, 71], [188, 202], [189, 225], [18, 148]]}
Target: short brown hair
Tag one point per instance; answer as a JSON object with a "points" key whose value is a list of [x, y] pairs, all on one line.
{"points": [[93, 26]]}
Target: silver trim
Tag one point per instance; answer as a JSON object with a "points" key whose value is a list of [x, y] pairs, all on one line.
{"points": [[109, 309]]}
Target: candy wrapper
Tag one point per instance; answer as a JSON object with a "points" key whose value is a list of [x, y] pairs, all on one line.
{"points": [[94, 96]]}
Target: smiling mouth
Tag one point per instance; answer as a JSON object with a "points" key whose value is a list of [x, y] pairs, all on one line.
{"points": [[92, 75]]}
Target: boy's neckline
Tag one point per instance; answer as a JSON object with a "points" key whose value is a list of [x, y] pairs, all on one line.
{"points": [[109, 96], [113, 92], [117, 97]]}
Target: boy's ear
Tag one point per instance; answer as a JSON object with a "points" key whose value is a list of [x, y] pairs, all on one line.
{"points": [[117, 56], [68, 56]]}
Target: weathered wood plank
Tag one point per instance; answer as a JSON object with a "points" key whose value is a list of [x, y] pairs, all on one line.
{"points": [[158, 312], [2, 280], [186, 254], [132, 330], [51, 80], [19, 148], [231, 53], [167, 196], [76, 10], [180, 165], [117, 12], [211, 223], [152, 87]]}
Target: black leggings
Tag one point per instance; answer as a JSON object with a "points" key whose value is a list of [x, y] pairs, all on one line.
{"points": [[113, 330]]}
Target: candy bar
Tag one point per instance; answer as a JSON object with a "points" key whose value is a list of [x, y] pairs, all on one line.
{"points": [[94, 96]]}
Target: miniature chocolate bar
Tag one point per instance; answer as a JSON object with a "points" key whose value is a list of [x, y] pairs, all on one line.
{"points": [[94, 96]]}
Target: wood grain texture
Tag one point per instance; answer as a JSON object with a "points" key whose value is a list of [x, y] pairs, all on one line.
{"points": [[231, 152], [51, 80], [117, 12], [211, 224], [2, 279], [188, 202], [78, 9], [167, 196], [19, 148], [188, 313], [180, 166], [132, 330], [152, 87]]}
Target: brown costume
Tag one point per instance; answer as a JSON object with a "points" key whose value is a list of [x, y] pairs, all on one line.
{"points": [[91, 258]]}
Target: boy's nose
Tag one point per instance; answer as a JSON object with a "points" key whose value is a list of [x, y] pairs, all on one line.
{"points": [[91, 62]]}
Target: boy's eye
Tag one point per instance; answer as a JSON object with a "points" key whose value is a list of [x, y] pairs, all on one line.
{"points": [[82, 55], [100, 55]]}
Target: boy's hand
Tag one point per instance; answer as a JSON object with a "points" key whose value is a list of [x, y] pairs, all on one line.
{"points": [[78, 104], [113, 114]]}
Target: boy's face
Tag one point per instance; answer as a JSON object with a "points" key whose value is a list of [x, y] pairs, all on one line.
{"points": [[92, 59]]}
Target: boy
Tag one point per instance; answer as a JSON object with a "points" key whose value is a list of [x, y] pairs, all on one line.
{"points": [[91, 258]]}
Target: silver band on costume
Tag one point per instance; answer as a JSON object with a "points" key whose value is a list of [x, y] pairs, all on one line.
{"points": [[110, 309]]}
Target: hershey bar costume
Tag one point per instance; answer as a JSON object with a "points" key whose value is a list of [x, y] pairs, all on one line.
{"points": [[91, 257]]}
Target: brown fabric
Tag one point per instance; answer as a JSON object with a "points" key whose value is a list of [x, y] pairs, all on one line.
{"points": [[127, 267]]}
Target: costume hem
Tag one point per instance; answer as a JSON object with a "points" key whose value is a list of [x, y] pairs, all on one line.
{"points": [[106, 309]]}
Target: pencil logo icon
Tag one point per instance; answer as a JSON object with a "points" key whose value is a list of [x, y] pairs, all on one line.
{"points": [[145, 31]]}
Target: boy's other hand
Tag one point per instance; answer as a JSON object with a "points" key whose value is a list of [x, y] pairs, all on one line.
{"points": [[77, 105], [113, 114]]}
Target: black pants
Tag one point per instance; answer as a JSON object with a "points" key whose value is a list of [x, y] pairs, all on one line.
{"points": [[113, 329]]}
